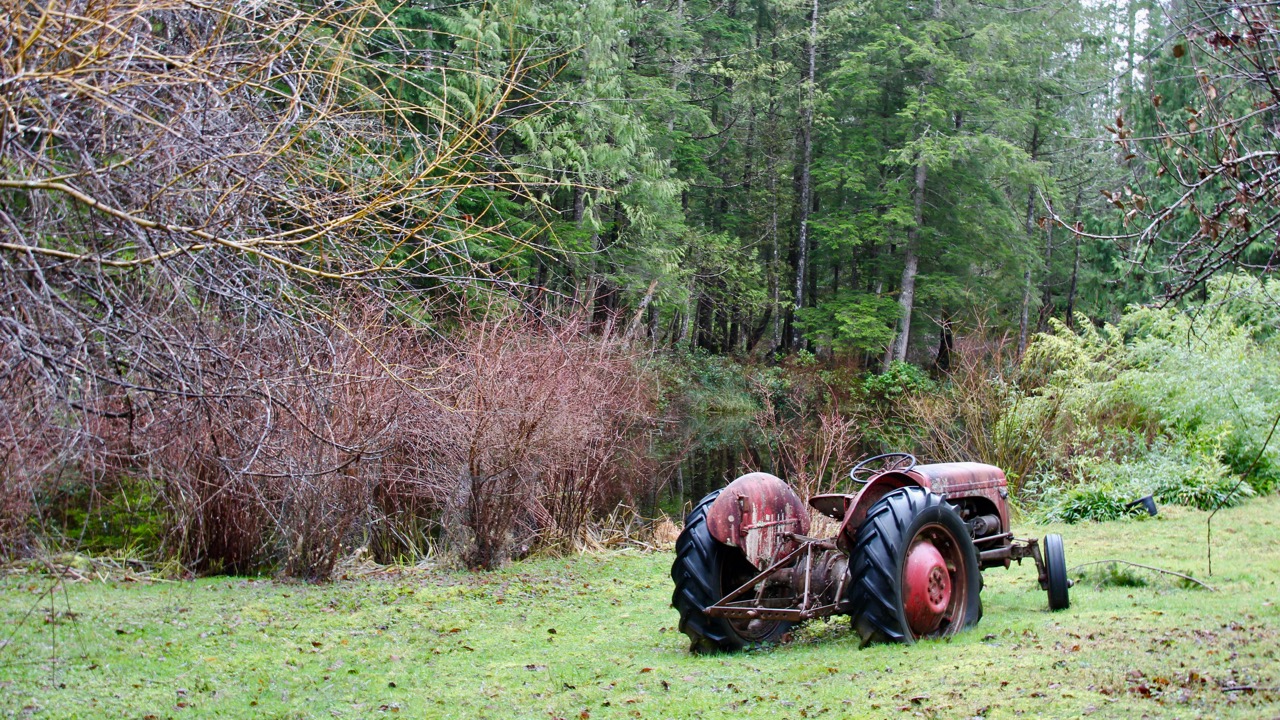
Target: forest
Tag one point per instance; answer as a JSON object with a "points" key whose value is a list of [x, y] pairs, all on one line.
{"points": [[283, 282]]}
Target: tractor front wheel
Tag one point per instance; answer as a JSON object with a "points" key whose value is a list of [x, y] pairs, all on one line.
{"points": [[705, 570], [914, 570], [1055, 566]]}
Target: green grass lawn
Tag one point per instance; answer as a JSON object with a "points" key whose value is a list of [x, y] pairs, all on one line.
{"points": [[594, 637]]}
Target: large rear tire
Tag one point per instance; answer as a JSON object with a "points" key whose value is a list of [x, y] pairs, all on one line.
{"points": [[914, 570], [704, 571]]}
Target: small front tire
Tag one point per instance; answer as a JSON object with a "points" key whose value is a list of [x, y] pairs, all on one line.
{"points": [[1055, 567]]}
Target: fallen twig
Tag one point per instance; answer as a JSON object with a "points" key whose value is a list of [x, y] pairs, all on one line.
{"points": [[1201, 583], [1249, 689]]}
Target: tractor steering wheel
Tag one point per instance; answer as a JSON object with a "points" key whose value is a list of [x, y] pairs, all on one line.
{"points": [[864, 471]]}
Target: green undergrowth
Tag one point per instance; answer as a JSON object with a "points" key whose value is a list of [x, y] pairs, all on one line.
{"points": [[700, 384], [1179, 403], [594, 637]]}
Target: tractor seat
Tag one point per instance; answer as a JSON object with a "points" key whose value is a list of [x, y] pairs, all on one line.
{"points": [[833, 505]]}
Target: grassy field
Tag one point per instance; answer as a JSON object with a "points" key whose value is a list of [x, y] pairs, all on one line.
{"points": [[594, 637]]}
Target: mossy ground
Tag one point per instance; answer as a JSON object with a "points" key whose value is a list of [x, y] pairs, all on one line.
{"points": [[593, 637]]}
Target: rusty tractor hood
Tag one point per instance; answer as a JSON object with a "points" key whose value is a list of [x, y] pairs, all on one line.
{"points": [[758, 513], [959, 477]]}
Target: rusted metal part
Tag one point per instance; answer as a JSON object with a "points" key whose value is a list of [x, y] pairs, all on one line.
{"points": [[994, 556], [761, 515], [933, 583], [871, 493], [1021, 548], [829, 574], [815, 572], [833, 505], [959, 480], [1003, 537], [880, 464], [985, 526], [927, 587]]}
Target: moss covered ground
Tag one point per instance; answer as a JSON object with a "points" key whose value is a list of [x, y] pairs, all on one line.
{"points": [[593, 636]]}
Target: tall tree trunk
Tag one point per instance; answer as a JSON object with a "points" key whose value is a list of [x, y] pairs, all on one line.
{"points": [[540, 283], [775, 280], [946, 344], [804, 180], [686, 321], [1046, 286], [1071, 292], [677, 70], [1075, 269], [758, 333], [1131, 41], [907, 296], [579, 203], [704, 325], [1025, 316], [604, 303], [812, 292], [771, 189], [641, 310]]}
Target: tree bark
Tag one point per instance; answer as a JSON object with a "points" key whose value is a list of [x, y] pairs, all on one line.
{"points": [[641, 310], [1025, 315], [775, 281], [1024, 318], [1075, 269], [1046, 287], [686, 322], [804, 180], [907, 295], [579, 203], [946, 344]]}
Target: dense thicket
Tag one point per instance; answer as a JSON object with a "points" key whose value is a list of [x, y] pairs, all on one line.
{"points": [[241, 278]]}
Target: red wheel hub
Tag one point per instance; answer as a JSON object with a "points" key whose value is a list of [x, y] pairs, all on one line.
{"points": [[926, 590]]}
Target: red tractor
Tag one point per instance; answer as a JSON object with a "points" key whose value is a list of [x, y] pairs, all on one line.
{"points": [[904, 564]]}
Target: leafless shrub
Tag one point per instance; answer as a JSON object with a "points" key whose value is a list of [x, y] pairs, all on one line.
{"points": [[811, 451], [29, 456], [964, 419], [541, 435]]}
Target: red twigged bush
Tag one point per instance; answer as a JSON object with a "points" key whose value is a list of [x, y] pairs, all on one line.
{"points": [[52, 446], [539, 436], [287, 449], [812, 448], [29, 451], [281, 456]]}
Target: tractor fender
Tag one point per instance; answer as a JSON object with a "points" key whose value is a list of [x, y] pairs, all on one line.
{"points": [[758, 513], [871, 494]]}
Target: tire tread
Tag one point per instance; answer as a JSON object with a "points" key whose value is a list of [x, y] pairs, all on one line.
{"points": [[873, 595]]}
